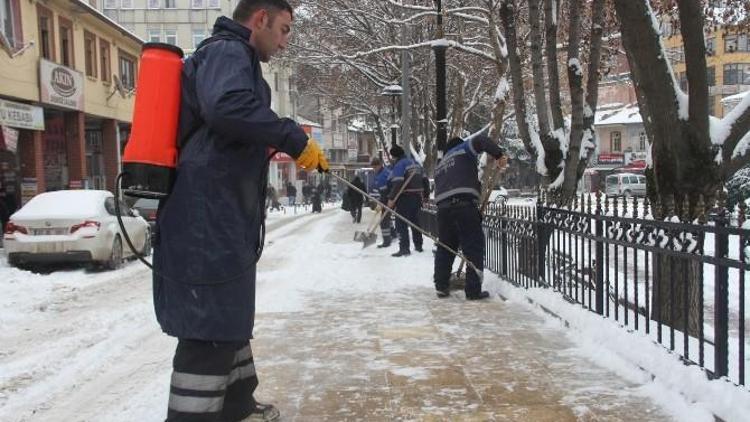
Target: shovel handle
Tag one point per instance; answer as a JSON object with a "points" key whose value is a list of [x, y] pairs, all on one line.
{"points": [[412, 225]]}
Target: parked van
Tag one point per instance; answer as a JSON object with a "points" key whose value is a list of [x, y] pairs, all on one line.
{"points": [[626, 184]]}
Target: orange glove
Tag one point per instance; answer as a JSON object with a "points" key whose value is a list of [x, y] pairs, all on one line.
{"points": [[312, 157]]}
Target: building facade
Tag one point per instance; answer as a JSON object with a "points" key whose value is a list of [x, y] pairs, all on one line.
{"points": [[727, 61], [67, 78]]}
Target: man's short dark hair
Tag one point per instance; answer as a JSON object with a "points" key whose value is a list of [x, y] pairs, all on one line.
{"points": [[246, 8], [454, 142]]}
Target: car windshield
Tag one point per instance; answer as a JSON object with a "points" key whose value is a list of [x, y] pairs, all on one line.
{"points": [[146, 203]]}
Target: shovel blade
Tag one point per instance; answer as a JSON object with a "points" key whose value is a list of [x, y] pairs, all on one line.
{"points": [[366, 238]]}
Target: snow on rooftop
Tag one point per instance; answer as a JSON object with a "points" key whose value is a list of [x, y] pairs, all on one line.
{"points": [[734, 98], [303, 121], [627, 115]]}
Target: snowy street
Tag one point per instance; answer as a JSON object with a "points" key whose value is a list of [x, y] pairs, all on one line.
{"points": [[344, 333]]}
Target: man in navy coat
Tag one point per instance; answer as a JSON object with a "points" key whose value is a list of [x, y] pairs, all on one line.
{"points": [[210, 228]]}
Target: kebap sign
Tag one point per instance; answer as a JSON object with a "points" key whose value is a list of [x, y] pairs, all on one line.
{"points": [[21, 116], [61, 86]]}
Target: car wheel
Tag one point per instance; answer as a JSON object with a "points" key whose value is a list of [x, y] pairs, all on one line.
{"points": [[115, 257], [627, 194], [147, 245]]}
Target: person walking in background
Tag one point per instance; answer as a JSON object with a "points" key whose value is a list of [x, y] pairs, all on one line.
{"points": [[457, 191], [356, 199], [291, 194], [409, 202], [272, 198], [381, 186], [210, 226]]}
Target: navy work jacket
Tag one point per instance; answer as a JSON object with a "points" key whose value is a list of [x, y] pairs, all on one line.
{"points": [[209, 227], [457, 173]]}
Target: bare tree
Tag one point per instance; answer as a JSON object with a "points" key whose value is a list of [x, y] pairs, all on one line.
{"points": [[684, 142], [562, 148]]}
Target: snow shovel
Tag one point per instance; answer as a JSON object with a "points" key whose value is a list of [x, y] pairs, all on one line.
{"points": [[369, 237]]}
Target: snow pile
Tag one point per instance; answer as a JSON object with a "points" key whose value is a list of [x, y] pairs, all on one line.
{"points": [[634, 356], [71, 204]]}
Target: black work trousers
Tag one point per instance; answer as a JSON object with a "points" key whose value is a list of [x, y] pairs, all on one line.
{"points": [[212, 381], [408, 206], [460, 226]]}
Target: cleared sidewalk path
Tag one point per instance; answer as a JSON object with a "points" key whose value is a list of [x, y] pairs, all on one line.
{"points": [[403, 354]]}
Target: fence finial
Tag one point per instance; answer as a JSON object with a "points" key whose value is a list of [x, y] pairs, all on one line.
{"points": [[658, 209], [722, 199], [671, 212], [742, 215], [701, 210], [615, 207], [685, 216], [647, 207], [635, 207], [606, 205], [598, 201], [588, 202]]}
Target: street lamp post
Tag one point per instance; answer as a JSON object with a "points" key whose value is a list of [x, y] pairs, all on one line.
{"points": [[440, 88], [393, 91]]}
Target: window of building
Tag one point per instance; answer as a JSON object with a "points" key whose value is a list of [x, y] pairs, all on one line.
{"points": [[712, 105], [615, 141], [170, 4], [46, 33], [66, 42], [10, 24], [737, 74], [710, 46], [711, 75], [127, 4], [214, 4], [127, 70], [104, 60], [735, 43], [682, 78], [89, 47], [198, 4], [642, 141], [153, 4], [676, 54], [170, 36], [154, 35], [111, 4], [198, 36]]}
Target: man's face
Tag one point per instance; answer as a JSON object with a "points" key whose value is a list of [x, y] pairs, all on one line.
{"points": [[271, 31]]}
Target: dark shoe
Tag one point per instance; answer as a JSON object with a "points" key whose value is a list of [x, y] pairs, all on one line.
{"points": [[384, 245], [442, 293], [401, 253], [480, 296], [263, 412], [418, 249]]}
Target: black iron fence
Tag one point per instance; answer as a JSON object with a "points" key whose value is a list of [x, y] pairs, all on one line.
{"points": [[681, 282]]}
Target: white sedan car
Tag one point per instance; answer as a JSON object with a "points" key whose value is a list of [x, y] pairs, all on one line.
{"points": [[73, 226]]}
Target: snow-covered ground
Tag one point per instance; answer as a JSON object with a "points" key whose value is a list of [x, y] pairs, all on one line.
{"points": [[84, 346]]}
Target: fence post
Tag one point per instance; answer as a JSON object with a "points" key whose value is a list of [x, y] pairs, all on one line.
{"points": [[541, 241], [502, 214], [599, 227], [721, 296]]}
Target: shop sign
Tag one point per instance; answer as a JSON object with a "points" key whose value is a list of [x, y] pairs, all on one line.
{"points": [[21, 116], [61, 86], [75, 184], [28, 189], [10, 138], [611, 158], [281, 157]]}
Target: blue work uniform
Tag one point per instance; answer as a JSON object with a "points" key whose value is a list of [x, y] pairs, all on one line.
{"points": [[457, 191]]}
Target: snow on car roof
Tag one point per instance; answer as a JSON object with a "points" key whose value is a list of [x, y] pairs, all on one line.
{"points": [[64, 204]]}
